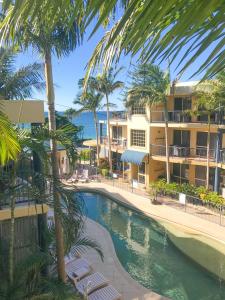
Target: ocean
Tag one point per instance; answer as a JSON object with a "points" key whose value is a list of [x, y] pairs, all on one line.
{"points": [[86, 120]]}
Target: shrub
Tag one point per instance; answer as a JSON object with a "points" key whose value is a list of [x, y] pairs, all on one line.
{"points": [[105, 172], [103, 163], [85, 154], [161, 186]]}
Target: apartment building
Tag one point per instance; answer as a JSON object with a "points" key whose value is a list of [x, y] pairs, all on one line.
{"points": [[138, 142], [28, 214]]}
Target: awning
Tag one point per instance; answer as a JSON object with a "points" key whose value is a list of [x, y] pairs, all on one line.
{"points": [[134, 157]]}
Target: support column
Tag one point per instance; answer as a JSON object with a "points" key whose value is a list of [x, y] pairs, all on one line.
{"points": [[218, 154]]}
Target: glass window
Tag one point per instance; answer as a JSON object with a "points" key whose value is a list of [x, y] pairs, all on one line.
{"points": [[138, 110], [117, 132], [141, 168], [138, 138]]}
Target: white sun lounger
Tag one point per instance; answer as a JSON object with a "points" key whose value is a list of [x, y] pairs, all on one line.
{"points": [[91, 283], [106, 293], [77, 269]]}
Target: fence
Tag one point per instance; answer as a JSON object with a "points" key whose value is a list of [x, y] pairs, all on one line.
{"points": [[195, 206]]}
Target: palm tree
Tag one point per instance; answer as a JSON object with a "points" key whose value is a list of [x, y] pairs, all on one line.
{"points": [[18, 84], [47, 37], [106, 84], [90, 101], [161, 32], [150, 85], [70, 112], [209, 101], [9, 146]]}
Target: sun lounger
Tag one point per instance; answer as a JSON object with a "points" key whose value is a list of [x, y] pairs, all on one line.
{"points": [[90, 283], [106, 293], [77, 268]]}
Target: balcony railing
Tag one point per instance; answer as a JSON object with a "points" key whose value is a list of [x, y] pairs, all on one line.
{"points": [[183, 117], [118, 143], [119, 116], [182, 151]]}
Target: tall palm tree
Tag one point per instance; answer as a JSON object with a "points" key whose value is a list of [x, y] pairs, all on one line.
{"points": [[210, 100], [106, 84], [47, 37], [18, 84], [150, 85], [91, 101]]}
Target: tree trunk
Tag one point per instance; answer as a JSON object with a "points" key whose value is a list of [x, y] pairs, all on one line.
{"points": [[55, 170], [208, 153], [166, 141], [97, 138], [109, 136], [12, 239]]}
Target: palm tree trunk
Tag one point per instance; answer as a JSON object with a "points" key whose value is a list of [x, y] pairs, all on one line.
{"points": [[55, 170], [97, 137], [12, 239], [109, 136], [208, 152], [166, 141]]}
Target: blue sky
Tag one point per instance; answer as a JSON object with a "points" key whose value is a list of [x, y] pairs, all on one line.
{"points": [[68, 70]]}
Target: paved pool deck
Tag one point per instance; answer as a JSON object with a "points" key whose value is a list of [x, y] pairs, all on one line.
{"points": [[111, 267], [163, 213]]}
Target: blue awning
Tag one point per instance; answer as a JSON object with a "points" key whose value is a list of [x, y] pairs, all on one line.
{"points": [[134, 157]]}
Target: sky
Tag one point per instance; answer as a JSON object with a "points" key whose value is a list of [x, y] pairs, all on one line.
{"points": [[68, 70]]}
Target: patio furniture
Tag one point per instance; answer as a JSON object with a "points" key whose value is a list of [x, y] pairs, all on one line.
{"points": [[77, 268], [106, 293], [84, 177], [90, 283]]}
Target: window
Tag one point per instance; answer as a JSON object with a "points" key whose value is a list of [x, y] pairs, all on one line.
{"points": [[138, 138], [180, 173], [141, 168], [138, 110], [200, 175], [181, 138], [117, 132]]}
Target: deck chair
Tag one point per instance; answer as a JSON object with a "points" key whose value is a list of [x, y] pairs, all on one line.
{"points": [[106, 293], [90, 283], [76, 269]]}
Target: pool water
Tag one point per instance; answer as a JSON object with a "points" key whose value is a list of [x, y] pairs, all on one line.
{"points": [[145, 251]]}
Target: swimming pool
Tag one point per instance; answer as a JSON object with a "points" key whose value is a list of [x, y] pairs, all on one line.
{"points": [[148, 255]]}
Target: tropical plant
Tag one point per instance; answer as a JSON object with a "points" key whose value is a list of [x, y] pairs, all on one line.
{"points": [[90, 100], [150, 86], [9, 146], [69, 113], [47, 37], [17, 179], [18, 84], [161, 31], [209, 102], [106, 84]]}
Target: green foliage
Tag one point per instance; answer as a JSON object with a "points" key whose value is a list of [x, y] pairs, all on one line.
{"points": [[161, 186], [9, 145], [63, 121], [103, 163], [85, 154], [105, 172], [18, 84]]}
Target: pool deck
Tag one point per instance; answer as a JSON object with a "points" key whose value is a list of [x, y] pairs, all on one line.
{"points": [[163, 213], [111, 267]]}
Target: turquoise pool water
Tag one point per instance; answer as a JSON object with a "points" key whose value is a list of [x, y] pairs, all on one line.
{"points": [[144, 250]]}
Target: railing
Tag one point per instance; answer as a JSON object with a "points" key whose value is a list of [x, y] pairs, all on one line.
{"points": [[182, 151], [178, 116], [120, 116], [206, 210], [119, 143]]}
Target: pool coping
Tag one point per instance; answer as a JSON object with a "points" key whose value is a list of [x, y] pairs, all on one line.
{"points": [[85, 187], [145, 292]]}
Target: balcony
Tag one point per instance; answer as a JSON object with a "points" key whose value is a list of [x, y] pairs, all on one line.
{"points": [[117, 144], [183, 117], [119, 116], [198, 153]]}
